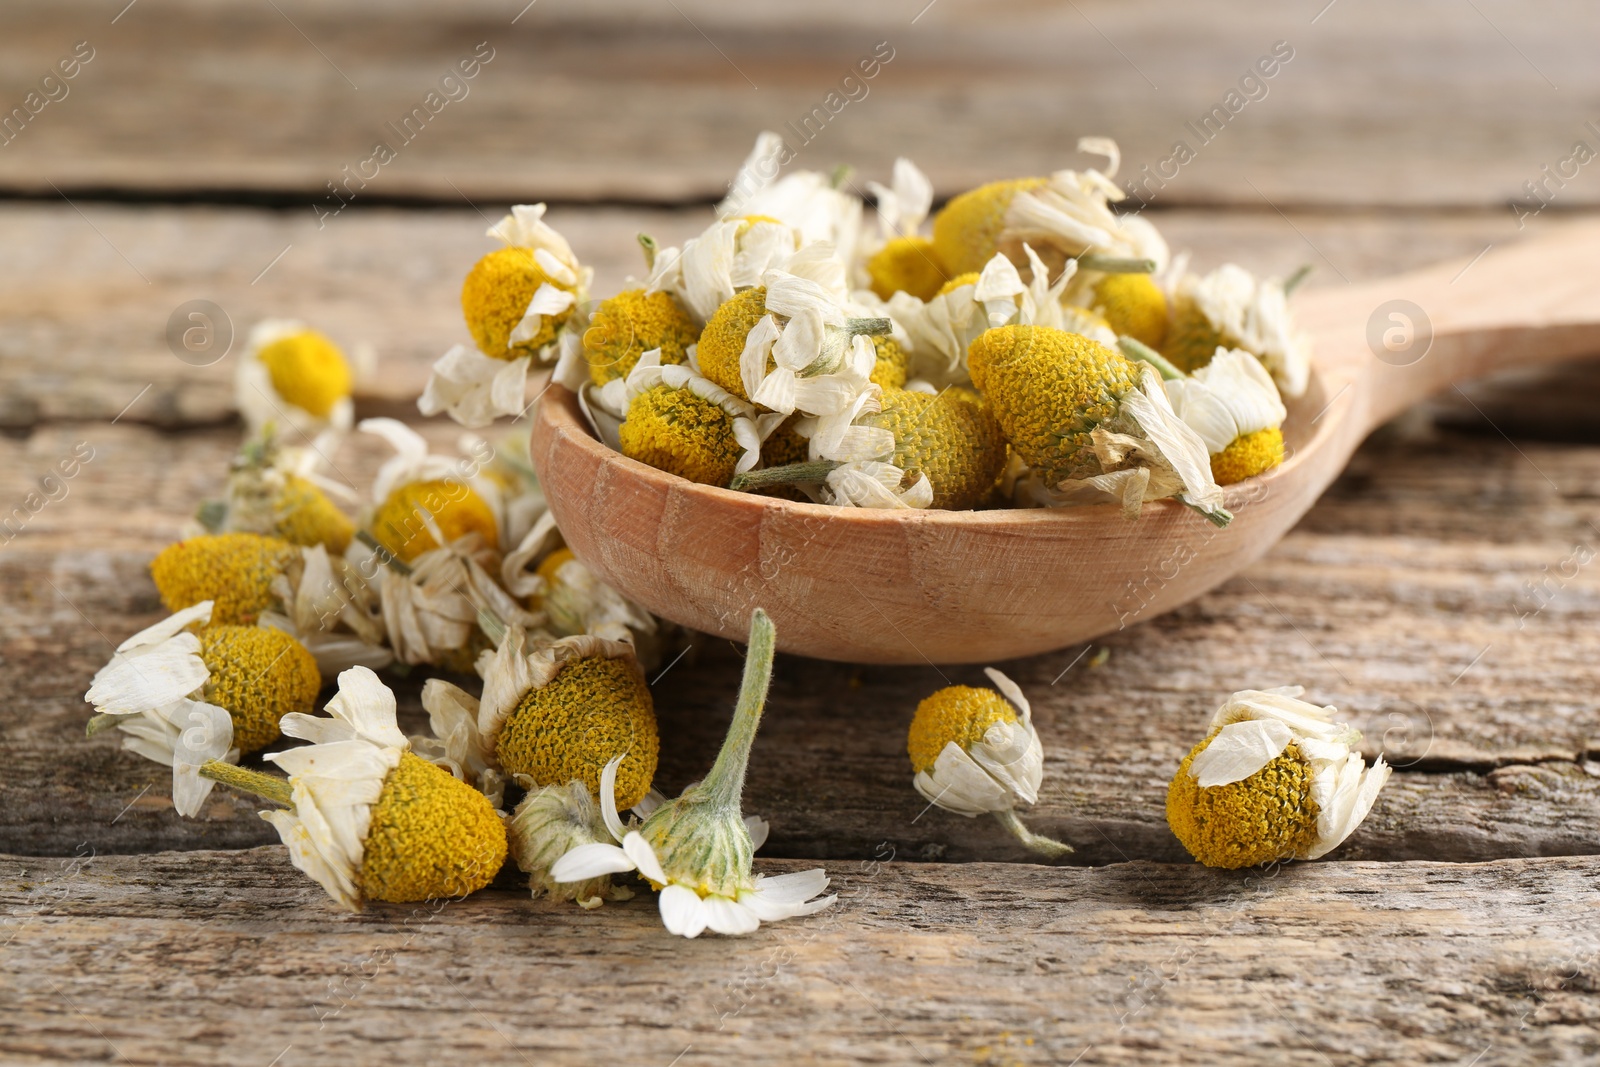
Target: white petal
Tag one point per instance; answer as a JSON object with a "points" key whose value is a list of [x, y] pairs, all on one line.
{"points": [[643, 857], [590, 861], [1012, 692], [957, 783], [367, 705], [1238, 751], [796, 888], [149, 677], [727, 916], [205, 733], [608, 798], [682, 911], [758, 828]]}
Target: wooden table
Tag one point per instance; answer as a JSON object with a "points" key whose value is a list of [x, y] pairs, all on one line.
{"points": [[1424, 595]]}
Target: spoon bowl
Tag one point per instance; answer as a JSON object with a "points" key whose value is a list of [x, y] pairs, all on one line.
{"points": [[907, 587]]}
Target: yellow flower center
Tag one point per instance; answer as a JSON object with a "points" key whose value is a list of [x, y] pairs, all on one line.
{"points": [[1248, 456], [1192, 338], [305, 516], [952, 438], [258, 675], [959, 714], [969, 278], [630, 324], [431, 837], [308, 371], [889, 370], [495, 296], [596, 708], [906, 264], [235, 570], [678, 432], [1049, 390], [455, 508], [966, 233], [552, 563], [722, 341], [1267, 816], [1133, 306]]}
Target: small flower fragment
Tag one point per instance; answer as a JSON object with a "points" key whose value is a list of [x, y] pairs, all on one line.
{"points": [[184, 691], [517, 302], [293, 378], [1092, 423], [1230, 308], [1275, 779], [974, 754], [1233, 405], [235, 571], [367, 818], [697, 850]]}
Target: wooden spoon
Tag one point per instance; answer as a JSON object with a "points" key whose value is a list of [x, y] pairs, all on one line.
{"points": [[873, 586]]}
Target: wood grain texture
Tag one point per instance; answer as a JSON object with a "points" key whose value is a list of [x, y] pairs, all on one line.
{"points": [[1134, 964], [1428, 103]]}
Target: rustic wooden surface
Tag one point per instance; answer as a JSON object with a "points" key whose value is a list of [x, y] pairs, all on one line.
{"points": [[1459, 925]]}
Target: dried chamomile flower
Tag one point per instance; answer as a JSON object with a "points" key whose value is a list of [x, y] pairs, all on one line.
{"points": [[631, 323], [1233, 405], [550, 822], [1275, 779], [233, 570], [697, 850], [1132, 305], [974, 754], [1065, 216], [367, 818], [561, 712], [293, 378], [331, 607], [809, 202], [682, 423], [423, 501], [166, 684], [518, 302], [1229, 308], [1091, 423], [904, 260], [275, 490]]}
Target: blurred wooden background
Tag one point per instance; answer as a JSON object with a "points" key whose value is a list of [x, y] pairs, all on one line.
{"points": [[189, 158]]}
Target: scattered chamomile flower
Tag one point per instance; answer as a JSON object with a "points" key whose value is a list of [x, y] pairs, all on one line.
{"points": [[293, 378], [697, 850], [423, 501], [1091, 422], [973, 754], [1275, 779], [627, 325], [234, 571], [559, 713], [328, 604], [1229, 308], [367, 818], [1233, 405], [684, 424], [518, 302], [275, 490], [152, 690], [165, 685]]}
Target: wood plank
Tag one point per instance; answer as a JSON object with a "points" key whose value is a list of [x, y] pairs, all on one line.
{"points": [[85, 298], [659, 102], [919, 963], [1397, 599]]}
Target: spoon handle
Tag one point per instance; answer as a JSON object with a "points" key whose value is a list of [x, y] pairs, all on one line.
{"points": [[1394, 342]]}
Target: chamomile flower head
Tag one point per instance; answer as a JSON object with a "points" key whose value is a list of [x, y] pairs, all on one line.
{"points": [[906, 265], [631, 323], [1229, 308], [153, 692], [423, 501], [274, 490], [561, 712], [234, 571], [1275, 779], [697, 850], [1132, 305], [293, 378], [550, 822], [808, 202], [1091, 421], [951, 438], [975, 751], [166, 684], [366, 817], [677, 421], [1234, 406], [519, 303]]}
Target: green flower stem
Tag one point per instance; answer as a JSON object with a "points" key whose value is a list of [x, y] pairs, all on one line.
{"points": [[1296, 278], [385, 557], [868, 327], [267, 786], [724, 785], [792, 474], [101, 723], [1138, 350], [1047, 847], [1116, 264]]}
